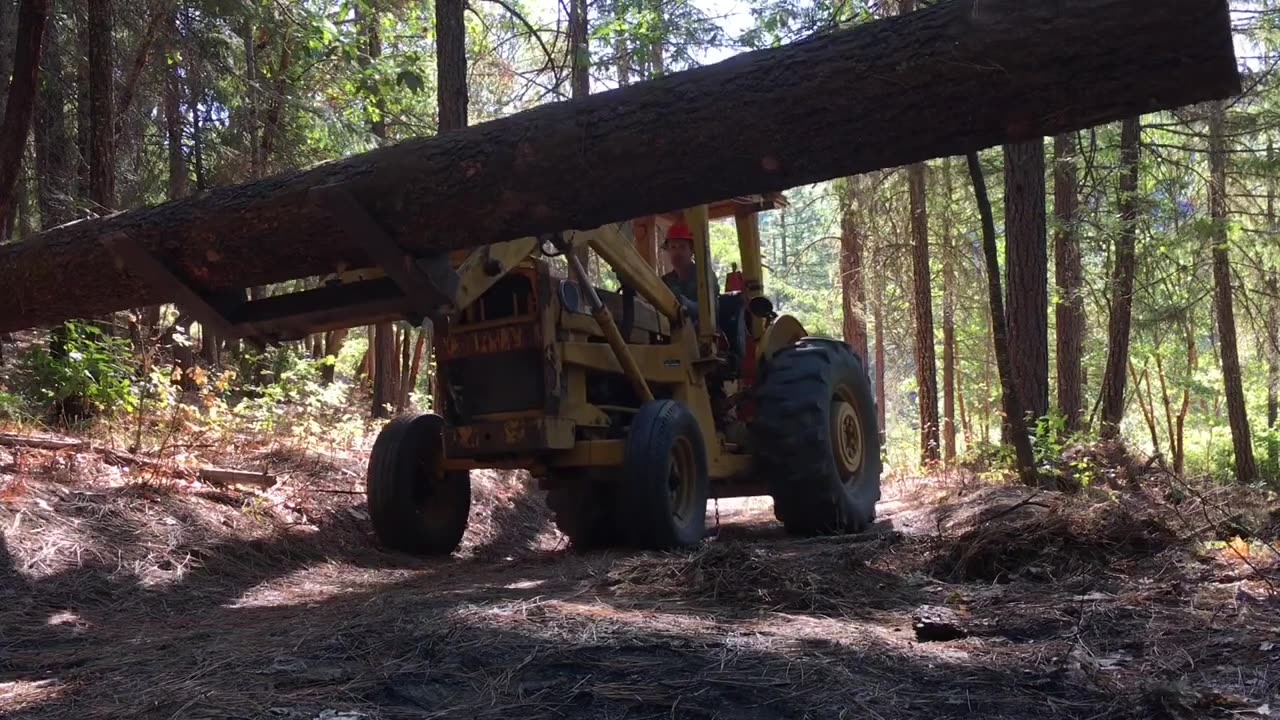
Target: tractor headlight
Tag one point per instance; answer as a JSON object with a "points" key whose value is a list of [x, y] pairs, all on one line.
{"points": [[570, 296]]}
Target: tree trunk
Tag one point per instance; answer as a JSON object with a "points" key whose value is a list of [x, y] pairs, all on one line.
{"points": [[333, 341], [415, 366], [1272, 345], [948, 325], [20, 102], [451, 64], [1113, 378], [1193, 361], [1145, 404], [210, 346], [999, 334], [179, 172], [579, 50], [52, 141], [1069, 278], [926, 366], [385, 372], [8, 41], [252, 132], [877, 311], [579, 75], [1167, 403], [139, 64], [922, 305], [404, 389], [953, 77], [621, 49], [102, 175], [853, 294], [364, 371], [988, 362], [1027, 274], [1241, 441], [275, 110], [657, 58], [965, 425], [81, 85]]}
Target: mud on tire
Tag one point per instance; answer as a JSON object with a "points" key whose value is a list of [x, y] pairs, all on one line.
{"points": [[820, 483]]}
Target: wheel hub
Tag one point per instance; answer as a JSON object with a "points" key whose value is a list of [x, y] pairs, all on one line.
{"points": [[680, 481], [846, 438]]}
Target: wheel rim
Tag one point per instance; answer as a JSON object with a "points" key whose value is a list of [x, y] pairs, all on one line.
{"points": [[682, 481], [847, 440], [429, 490]]}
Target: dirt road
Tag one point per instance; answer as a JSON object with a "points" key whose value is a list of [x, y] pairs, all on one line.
{"points": [[127, 601]]}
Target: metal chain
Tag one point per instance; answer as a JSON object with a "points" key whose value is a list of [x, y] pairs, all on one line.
{"points": [[717, 503]]}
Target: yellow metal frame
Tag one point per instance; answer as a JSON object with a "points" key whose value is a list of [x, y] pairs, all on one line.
{"points": [[700, 225], [676, 366], [486, 265]]}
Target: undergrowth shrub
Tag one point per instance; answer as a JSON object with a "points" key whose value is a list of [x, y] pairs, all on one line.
{"points": [[82, 373]]}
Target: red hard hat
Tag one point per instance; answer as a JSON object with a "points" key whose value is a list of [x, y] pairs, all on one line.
{"points": [[679, 231]]}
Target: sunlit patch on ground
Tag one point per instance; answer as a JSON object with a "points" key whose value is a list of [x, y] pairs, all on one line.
{"points": [[965, 600]]}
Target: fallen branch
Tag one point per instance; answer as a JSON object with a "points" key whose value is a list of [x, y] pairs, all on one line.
{"points": [[40, 443], [223, 476], [114, 457]]}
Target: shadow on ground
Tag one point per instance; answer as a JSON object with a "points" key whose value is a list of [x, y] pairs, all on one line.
{"points": [[752, 625]]}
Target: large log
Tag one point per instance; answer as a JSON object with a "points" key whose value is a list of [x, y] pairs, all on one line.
{"points": [[961, 75]]}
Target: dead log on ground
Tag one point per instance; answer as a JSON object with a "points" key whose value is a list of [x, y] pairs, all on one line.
{"points": [[223, 476]]}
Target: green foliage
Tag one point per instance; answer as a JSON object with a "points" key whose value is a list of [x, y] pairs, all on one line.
{"points": [[90, 372], [1268, 440], [291, 398], [11, 406]]}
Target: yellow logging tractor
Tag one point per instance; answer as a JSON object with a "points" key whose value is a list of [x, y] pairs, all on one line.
{"points": [[630, 410]]}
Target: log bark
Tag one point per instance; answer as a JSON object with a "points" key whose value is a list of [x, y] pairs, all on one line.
{"points": [[954, 77]]}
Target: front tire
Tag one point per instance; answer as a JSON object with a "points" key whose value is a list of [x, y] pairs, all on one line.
{"points": [[415, 505], [816, 439], [665, 485]]}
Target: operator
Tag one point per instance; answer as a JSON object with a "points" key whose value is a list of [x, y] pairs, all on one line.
{"points": [[683, 278]]}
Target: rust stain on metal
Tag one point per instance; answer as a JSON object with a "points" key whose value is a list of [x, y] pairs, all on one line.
{"points": [[493, 340], [515, 431]]}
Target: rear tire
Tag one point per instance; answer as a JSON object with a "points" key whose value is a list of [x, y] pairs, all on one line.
{"points": [[416, 507], [815, 438], [664, 485], [585, 511]]}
